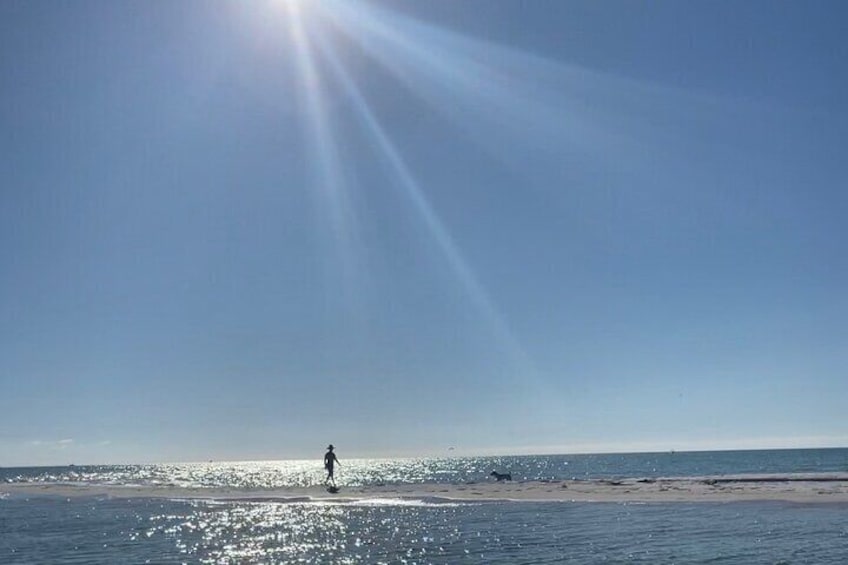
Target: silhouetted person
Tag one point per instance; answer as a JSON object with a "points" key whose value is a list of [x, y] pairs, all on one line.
{"points": [[330, 460]]}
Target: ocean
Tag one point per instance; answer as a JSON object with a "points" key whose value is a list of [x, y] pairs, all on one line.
{"points": [[165, 529]]}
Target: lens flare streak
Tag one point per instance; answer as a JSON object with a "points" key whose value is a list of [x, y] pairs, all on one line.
{"points": [[416, 195]]}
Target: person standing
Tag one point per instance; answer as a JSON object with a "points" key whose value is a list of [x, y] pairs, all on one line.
{"points": [[330, 460]]}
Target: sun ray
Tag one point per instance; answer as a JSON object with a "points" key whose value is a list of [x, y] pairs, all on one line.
{"points": [[416, 196], [331, 179], [492, 92]]}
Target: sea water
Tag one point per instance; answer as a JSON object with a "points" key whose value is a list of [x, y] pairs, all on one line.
{"points": [[52, 529], [445, 470]]}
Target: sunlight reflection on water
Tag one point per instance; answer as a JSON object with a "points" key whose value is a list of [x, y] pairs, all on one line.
{"points": [[251, 532], [440, 470], [269, 474], [496, 532]]}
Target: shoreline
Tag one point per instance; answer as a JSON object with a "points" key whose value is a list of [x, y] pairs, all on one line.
{"points": [[802, 488]]}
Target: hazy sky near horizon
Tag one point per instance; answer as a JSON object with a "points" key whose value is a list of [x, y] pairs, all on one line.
{"points": [[243, 230]]}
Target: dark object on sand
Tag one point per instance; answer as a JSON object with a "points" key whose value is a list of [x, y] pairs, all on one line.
{"points": [[332, 489], [501, 476]]}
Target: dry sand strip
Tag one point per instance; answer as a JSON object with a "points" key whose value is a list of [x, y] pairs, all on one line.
{"points": [[793, 488], [807, 488]]}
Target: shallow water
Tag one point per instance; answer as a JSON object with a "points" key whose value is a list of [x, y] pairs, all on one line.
{"points": [[166, 531]]}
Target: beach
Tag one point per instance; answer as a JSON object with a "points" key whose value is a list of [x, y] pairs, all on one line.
{"points": [[799, 488]]}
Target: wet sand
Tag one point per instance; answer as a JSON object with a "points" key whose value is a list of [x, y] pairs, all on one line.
{"points": [[804, 488]]}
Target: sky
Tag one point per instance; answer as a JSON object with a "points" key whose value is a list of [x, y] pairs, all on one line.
{"points": [[245, 230]]}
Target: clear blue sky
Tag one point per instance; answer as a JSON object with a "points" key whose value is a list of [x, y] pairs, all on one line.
{"points": [[243, 230]]}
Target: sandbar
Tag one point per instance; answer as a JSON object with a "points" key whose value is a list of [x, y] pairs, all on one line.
{"points": [[800, 488]]}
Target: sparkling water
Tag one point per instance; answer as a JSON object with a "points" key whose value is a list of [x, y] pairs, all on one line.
{"points": [[447, 470]]}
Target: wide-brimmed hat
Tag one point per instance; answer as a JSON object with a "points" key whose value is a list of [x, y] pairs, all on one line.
{"points": [[330, 446]]}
